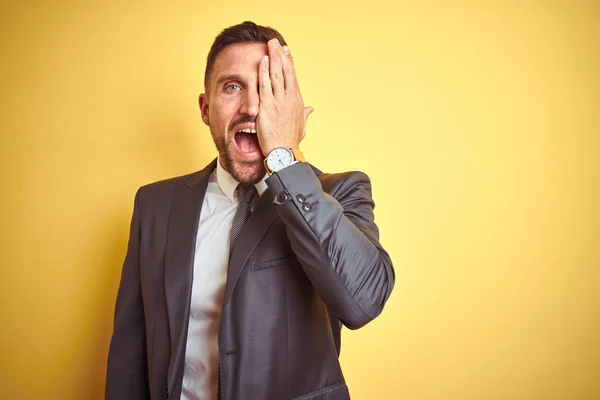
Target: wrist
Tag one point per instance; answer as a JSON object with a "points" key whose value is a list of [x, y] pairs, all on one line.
{"points": [[272, 146]]}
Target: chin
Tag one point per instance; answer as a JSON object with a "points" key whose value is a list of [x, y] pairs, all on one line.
{"points": [[252, 173], [245, 171]]}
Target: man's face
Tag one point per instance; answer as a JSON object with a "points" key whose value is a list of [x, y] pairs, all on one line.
{"points": [[230, 108]]}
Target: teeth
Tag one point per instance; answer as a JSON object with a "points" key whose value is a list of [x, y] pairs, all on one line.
{"points": [[248, 130]]}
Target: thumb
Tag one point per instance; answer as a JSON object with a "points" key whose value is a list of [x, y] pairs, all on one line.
{"points": [[307, 111]]}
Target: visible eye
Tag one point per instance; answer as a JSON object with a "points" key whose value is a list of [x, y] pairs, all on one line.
{"points": [[232, 88]]}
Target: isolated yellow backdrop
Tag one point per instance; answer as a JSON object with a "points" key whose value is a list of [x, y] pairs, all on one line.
{"points": [[478, 123]]}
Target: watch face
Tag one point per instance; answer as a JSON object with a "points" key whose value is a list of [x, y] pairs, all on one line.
{"points": [[279, 158]]}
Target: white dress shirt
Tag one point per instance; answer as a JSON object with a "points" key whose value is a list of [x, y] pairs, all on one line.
{"points": [[200, 376]]}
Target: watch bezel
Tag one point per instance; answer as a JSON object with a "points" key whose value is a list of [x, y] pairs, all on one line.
{"points": [[269, 157]]}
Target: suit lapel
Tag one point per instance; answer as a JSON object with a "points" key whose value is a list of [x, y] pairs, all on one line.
{"points": [[179, 261], [260, 220]]}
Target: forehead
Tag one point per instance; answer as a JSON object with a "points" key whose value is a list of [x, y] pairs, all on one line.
{"points": [[240, 59]]}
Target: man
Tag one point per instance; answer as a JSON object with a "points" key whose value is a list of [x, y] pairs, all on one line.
{"points": [[237, 278]]}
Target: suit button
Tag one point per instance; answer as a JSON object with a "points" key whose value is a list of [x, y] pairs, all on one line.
{"points": [[283, 197], [301, 199], [306, 206]]}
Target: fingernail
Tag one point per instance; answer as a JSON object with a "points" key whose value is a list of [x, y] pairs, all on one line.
{"points": [[265, 59], [286, 50]]}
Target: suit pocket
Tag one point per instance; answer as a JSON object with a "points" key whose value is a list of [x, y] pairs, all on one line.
{"points": [[274, 263], [337, 391]]}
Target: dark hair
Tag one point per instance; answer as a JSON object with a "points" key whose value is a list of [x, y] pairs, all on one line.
{"points": [[246, 32]]}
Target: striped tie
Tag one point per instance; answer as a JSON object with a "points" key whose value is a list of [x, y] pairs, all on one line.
{"points": [[246, 193]]}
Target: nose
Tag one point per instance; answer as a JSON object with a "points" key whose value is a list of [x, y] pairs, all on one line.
{"points": [[250, 103]]}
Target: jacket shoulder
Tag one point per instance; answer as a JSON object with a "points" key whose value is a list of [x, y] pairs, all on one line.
{"points": [[159, 194], [165, 184]]}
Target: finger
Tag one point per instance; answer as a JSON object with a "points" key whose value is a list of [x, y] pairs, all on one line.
{"points": [[307, 111], [287, 52], [264, 81], [276, 56], [289, 72]]}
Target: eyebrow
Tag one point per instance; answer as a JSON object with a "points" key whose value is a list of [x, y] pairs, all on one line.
{"points": [[231, 77]]}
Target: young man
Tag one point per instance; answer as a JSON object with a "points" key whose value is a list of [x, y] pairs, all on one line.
{"points": [[238, 277]]}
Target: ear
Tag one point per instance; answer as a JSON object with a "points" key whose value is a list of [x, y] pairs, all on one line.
{"points": [[203, 103]]}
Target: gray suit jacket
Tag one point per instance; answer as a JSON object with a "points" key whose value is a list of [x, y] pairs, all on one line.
{"points": [[307, 261]]}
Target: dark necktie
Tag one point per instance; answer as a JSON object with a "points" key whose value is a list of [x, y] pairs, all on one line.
{"points": [[246, 193]]}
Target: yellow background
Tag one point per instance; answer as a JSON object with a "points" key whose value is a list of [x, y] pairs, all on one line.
{"points": [[478, 123]]}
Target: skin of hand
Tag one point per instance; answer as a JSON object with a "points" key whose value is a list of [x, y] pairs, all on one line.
{"points": [[281, 119]]}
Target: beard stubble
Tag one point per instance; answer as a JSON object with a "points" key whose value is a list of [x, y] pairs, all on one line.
{"points": [[242, 171]]}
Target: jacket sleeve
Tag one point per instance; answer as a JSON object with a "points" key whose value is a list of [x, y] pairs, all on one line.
{"points": [[336, 240], [127, 372]]}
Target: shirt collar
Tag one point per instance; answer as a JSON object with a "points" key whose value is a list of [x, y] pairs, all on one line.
{"points": [[228, 184]]}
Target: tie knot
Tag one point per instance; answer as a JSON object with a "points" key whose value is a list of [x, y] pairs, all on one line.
{"points": [[246, 192]]}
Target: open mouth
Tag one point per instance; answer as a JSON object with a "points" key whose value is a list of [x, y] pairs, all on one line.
{"points": [[246, 141]]}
